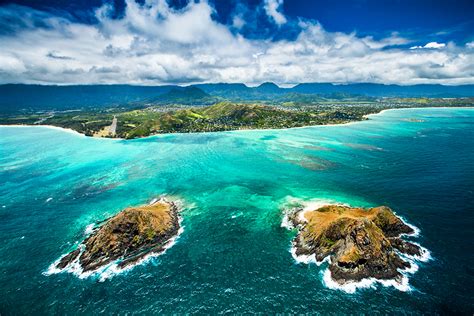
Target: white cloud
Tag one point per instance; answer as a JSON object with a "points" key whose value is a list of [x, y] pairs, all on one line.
{"points": [[432, 45], [272, 8], [238, 22], [155, 44]]}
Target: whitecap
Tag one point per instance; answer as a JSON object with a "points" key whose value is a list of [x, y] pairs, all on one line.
{"points": [[416, 230], [351, 286], [424, 256], [306, 259], [89, 229], [286, 223]]}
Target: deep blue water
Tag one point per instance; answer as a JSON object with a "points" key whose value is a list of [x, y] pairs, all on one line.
{"points": [[233, 255]]}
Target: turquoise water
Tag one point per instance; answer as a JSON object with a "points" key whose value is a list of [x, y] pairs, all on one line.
{"points": [[233, 255]]}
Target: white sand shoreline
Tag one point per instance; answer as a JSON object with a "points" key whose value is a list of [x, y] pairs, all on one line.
{"points": [[62, 129]]}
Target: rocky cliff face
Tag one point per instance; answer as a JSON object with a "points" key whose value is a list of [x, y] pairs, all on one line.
{"points": [[361, 243], [127, 237]]}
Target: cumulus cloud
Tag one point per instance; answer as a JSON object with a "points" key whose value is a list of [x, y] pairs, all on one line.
{"points": [[238, 22], [432, 45], [272, 8], [153, 43]]}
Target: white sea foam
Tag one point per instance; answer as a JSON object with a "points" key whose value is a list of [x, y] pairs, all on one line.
{"points": [[425, 254], [89, 229], [352, 286], [286, 223], [416, 230], [306, 259]]}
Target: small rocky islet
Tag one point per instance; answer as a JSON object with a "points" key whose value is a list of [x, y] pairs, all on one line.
{"points": [[127, 237], [360, 242]]}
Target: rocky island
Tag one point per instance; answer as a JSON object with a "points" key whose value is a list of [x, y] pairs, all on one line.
{"points": [[127, 237], [360, 243]]}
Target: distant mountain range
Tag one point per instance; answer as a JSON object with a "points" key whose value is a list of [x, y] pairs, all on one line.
{"points": [[363, 89], [14, 97], [186, 96]]}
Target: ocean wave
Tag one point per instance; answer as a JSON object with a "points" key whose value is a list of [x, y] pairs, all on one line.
{"points": [[89, 229], [306, 259], [425, 254], [416, 230], [351, 287]]}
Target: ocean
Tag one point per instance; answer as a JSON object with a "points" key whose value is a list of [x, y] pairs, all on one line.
{"points": [[233, 255]]}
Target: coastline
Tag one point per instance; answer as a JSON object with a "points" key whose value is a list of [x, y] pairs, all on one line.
{"points": [[366, 117], [58, 128]]}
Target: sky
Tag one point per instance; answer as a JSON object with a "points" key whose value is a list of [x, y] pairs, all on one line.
{"points": [[155, 42]]}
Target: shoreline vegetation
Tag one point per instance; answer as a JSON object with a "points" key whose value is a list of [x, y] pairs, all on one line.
{"points": [[222, 116]]}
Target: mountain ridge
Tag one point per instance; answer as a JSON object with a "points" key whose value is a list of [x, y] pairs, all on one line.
{"points": [[14, 97]]}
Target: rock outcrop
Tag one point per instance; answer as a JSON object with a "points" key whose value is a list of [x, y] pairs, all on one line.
{"points": [[127, 237], [361, 243]]}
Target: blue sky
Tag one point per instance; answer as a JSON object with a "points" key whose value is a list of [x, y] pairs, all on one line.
{"points": [[251, 41]]}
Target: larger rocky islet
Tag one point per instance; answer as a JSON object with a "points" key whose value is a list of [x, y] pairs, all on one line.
{"points": [[360, 243]]}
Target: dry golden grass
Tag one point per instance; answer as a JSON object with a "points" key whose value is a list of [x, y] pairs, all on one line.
{"points": [[146, 222], [319, 220], [156, 217]]}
